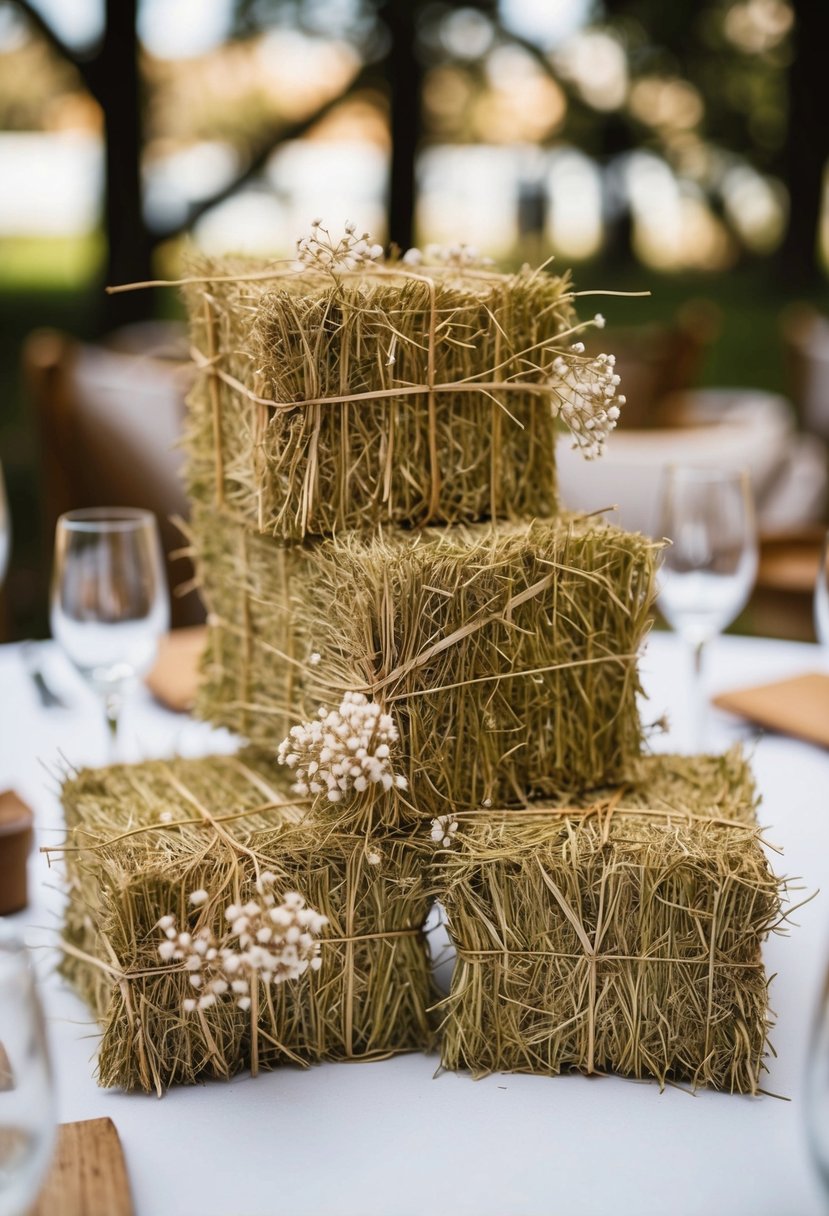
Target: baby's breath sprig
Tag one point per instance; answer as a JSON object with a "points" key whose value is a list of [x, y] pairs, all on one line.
{"points": [[585, 396], [321, 251], [444, 829], [343, 750], [262, 940]]}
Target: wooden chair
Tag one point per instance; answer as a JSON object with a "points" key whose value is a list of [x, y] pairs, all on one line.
{"points": [[805, 334], [109, 422], [657, 360]]}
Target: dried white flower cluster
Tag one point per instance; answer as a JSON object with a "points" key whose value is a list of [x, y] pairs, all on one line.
{"points": [[321, 251], [444, 829], [342, 750], [265, 940], [446, 255], [584, 396]]}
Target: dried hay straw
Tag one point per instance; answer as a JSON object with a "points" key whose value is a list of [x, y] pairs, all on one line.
{"points": [[231, 815], [327, 404], [507, 654], [624, 940]]}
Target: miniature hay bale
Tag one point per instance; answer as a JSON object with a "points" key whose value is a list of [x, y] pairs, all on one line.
{"points": [[625, 940], [506, 654], [311, 415], [368, 1000]]}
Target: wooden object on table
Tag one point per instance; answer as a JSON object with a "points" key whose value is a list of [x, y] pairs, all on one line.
{"points": [[88, 1175], [174, 678], [798, 706], [15, 842]]}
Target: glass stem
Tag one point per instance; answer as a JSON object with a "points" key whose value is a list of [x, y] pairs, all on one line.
{"points": [[697, 733], [112, 710]]}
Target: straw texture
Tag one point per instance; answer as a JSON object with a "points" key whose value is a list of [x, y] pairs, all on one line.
{"points": [[229, 816], [326, 404], [507, 655], [625, 940]]}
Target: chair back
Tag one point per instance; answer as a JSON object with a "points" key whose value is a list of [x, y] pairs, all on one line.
{"points": [[110, 420]]}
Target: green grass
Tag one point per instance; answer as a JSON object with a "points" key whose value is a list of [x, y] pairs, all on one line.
{"points": [[47, 264]]}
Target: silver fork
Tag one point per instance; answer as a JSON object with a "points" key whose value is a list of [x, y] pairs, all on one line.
{"points": [[49, 699]]}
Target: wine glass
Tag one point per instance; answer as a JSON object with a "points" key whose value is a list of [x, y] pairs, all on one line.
{"points": [[27, 1103], [816, 1103], [821, 602], [109, 605], [5, 530], [708, 570]]}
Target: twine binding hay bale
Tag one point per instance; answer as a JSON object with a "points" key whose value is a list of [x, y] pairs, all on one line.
{"points": [[142, 837], [331, 403], [507, 655], [625, 939]]}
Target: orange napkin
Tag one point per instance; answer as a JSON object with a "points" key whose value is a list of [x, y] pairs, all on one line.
{"points": [[798, 706], [175, 676]]}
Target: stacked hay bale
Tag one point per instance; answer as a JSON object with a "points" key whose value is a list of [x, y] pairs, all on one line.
{"points": [[620, 932], [336, 402], [379, 541], [145, 837], [506, 654]]}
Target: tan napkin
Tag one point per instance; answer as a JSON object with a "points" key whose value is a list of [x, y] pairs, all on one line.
{"points": [[175, 676], [88, 1176], [798, 706]]}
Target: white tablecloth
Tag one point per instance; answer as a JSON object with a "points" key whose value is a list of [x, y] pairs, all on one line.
{"points": [[386, 1139]]}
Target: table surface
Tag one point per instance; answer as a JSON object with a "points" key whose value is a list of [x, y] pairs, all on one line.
{"points": [[391, 1139]]}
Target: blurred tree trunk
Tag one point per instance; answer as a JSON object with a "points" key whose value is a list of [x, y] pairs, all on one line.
{"points": [[111, 75], [404, 76], [807, 146], [129, 246]]}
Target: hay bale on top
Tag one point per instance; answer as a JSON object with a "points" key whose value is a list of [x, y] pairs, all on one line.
{"points": [[627, 940], [272, 438], [143, 843], [507, 655]]}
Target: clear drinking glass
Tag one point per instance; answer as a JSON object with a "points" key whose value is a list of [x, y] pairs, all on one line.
{"points": [[109, 605], [816, 1104], [5, 530], [27, 1104], [708, 570], [822, 596]]}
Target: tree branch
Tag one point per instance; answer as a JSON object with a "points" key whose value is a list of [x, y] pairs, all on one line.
{"points": [[85, 65], [262, 154]]}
